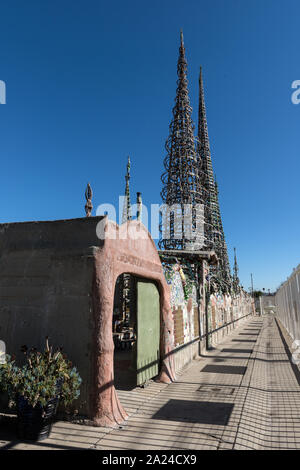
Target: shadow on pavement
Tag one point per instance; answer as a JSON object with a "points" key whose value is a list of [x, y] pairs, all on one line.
{"points": [[203, 412]]}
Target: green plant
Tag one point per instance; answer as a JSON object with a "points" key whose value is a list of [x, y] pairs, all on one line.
{"points": [[44, 376]]}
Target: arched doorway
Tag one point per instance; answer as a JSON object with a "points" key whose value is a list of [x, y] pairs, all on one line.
{"points": [[130, 249]]}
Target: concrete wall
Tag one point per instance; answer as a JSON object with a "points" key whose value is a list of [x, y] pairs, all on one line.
{"points": [[46, 273], [287, 301]]}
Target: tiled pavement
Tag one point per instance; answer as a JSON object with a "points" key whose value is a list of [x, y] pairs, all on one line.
{"points": [[244, 394]]}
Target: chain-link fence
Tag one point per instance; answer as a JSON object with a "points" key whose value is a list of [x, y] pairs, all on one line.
{"points": [[287, 300]]}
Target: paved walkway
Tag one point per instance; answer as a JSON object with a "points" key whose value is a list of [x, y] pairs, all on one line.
{"points": [[244, 394]]}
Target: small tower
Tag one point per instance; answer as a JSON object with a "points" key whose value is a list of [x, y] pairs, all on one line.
{"points": [[127, 204], [181, 181]]}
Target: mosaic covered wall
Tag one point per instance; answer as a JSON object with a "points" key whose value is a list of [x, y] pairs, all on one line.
{"points": [[222, 310], [226, 309], [184, 306]]}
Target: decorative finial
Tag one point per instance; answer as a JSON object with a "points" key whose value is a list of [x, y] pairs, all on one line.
{"points": [[181, 38], [139, 206], [88, 196]]}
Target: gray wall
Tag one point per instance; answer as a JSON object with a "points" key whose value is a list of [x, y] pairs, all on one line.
{"points": [[46, 275]]}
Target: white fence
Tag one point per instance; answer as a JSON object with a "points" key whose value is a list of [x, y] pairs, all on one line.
{"points": [[287, 300]]}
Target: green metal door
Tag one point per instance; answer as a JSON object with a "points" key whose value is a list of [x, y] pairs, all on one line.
{"points": [[148, 331]]}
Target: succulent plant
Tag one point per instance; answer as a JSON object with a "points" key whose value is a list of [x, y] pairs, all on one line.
{"points": [[44, 376]]}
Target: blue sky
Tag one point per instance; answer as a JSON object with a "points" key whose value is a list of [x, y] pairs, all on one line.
{"points": [[89, 82]]}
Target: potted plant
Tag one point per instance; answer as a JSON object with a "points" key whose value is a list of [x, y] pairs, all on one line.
{"points": [[37, 387]]}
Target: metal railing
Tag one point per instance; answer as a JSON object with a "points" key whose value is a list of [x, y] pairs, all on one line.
{"points": [[287, 301]]}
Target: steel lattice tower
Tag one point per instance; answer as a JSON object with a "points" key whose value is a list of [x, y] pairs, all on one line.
{"points": [[181, 179], [214, 233]]}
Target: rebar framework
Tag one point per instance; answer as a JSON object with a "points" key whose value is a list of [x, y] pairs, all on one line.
{"points": [[189, 180], [181, 179]]}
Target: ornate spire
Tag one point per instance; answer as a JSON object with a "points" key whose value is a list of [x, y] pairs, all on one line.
{"points": [[88, 196], [127, 204], [181, 181]]}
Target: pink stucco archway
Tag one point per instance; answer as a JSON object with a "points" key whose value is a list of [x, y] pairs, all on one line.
{"points": [[128, 248]]}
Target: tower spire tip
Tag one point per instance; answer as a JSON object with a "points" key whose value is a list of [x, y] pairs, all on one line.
{"points": [[181, 38], [200, 78]]}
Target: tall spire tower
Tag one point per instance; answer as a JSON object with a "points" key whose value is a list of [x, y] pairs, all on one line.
{"points": [[213, 227], [127, 204], [181, 179]]}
